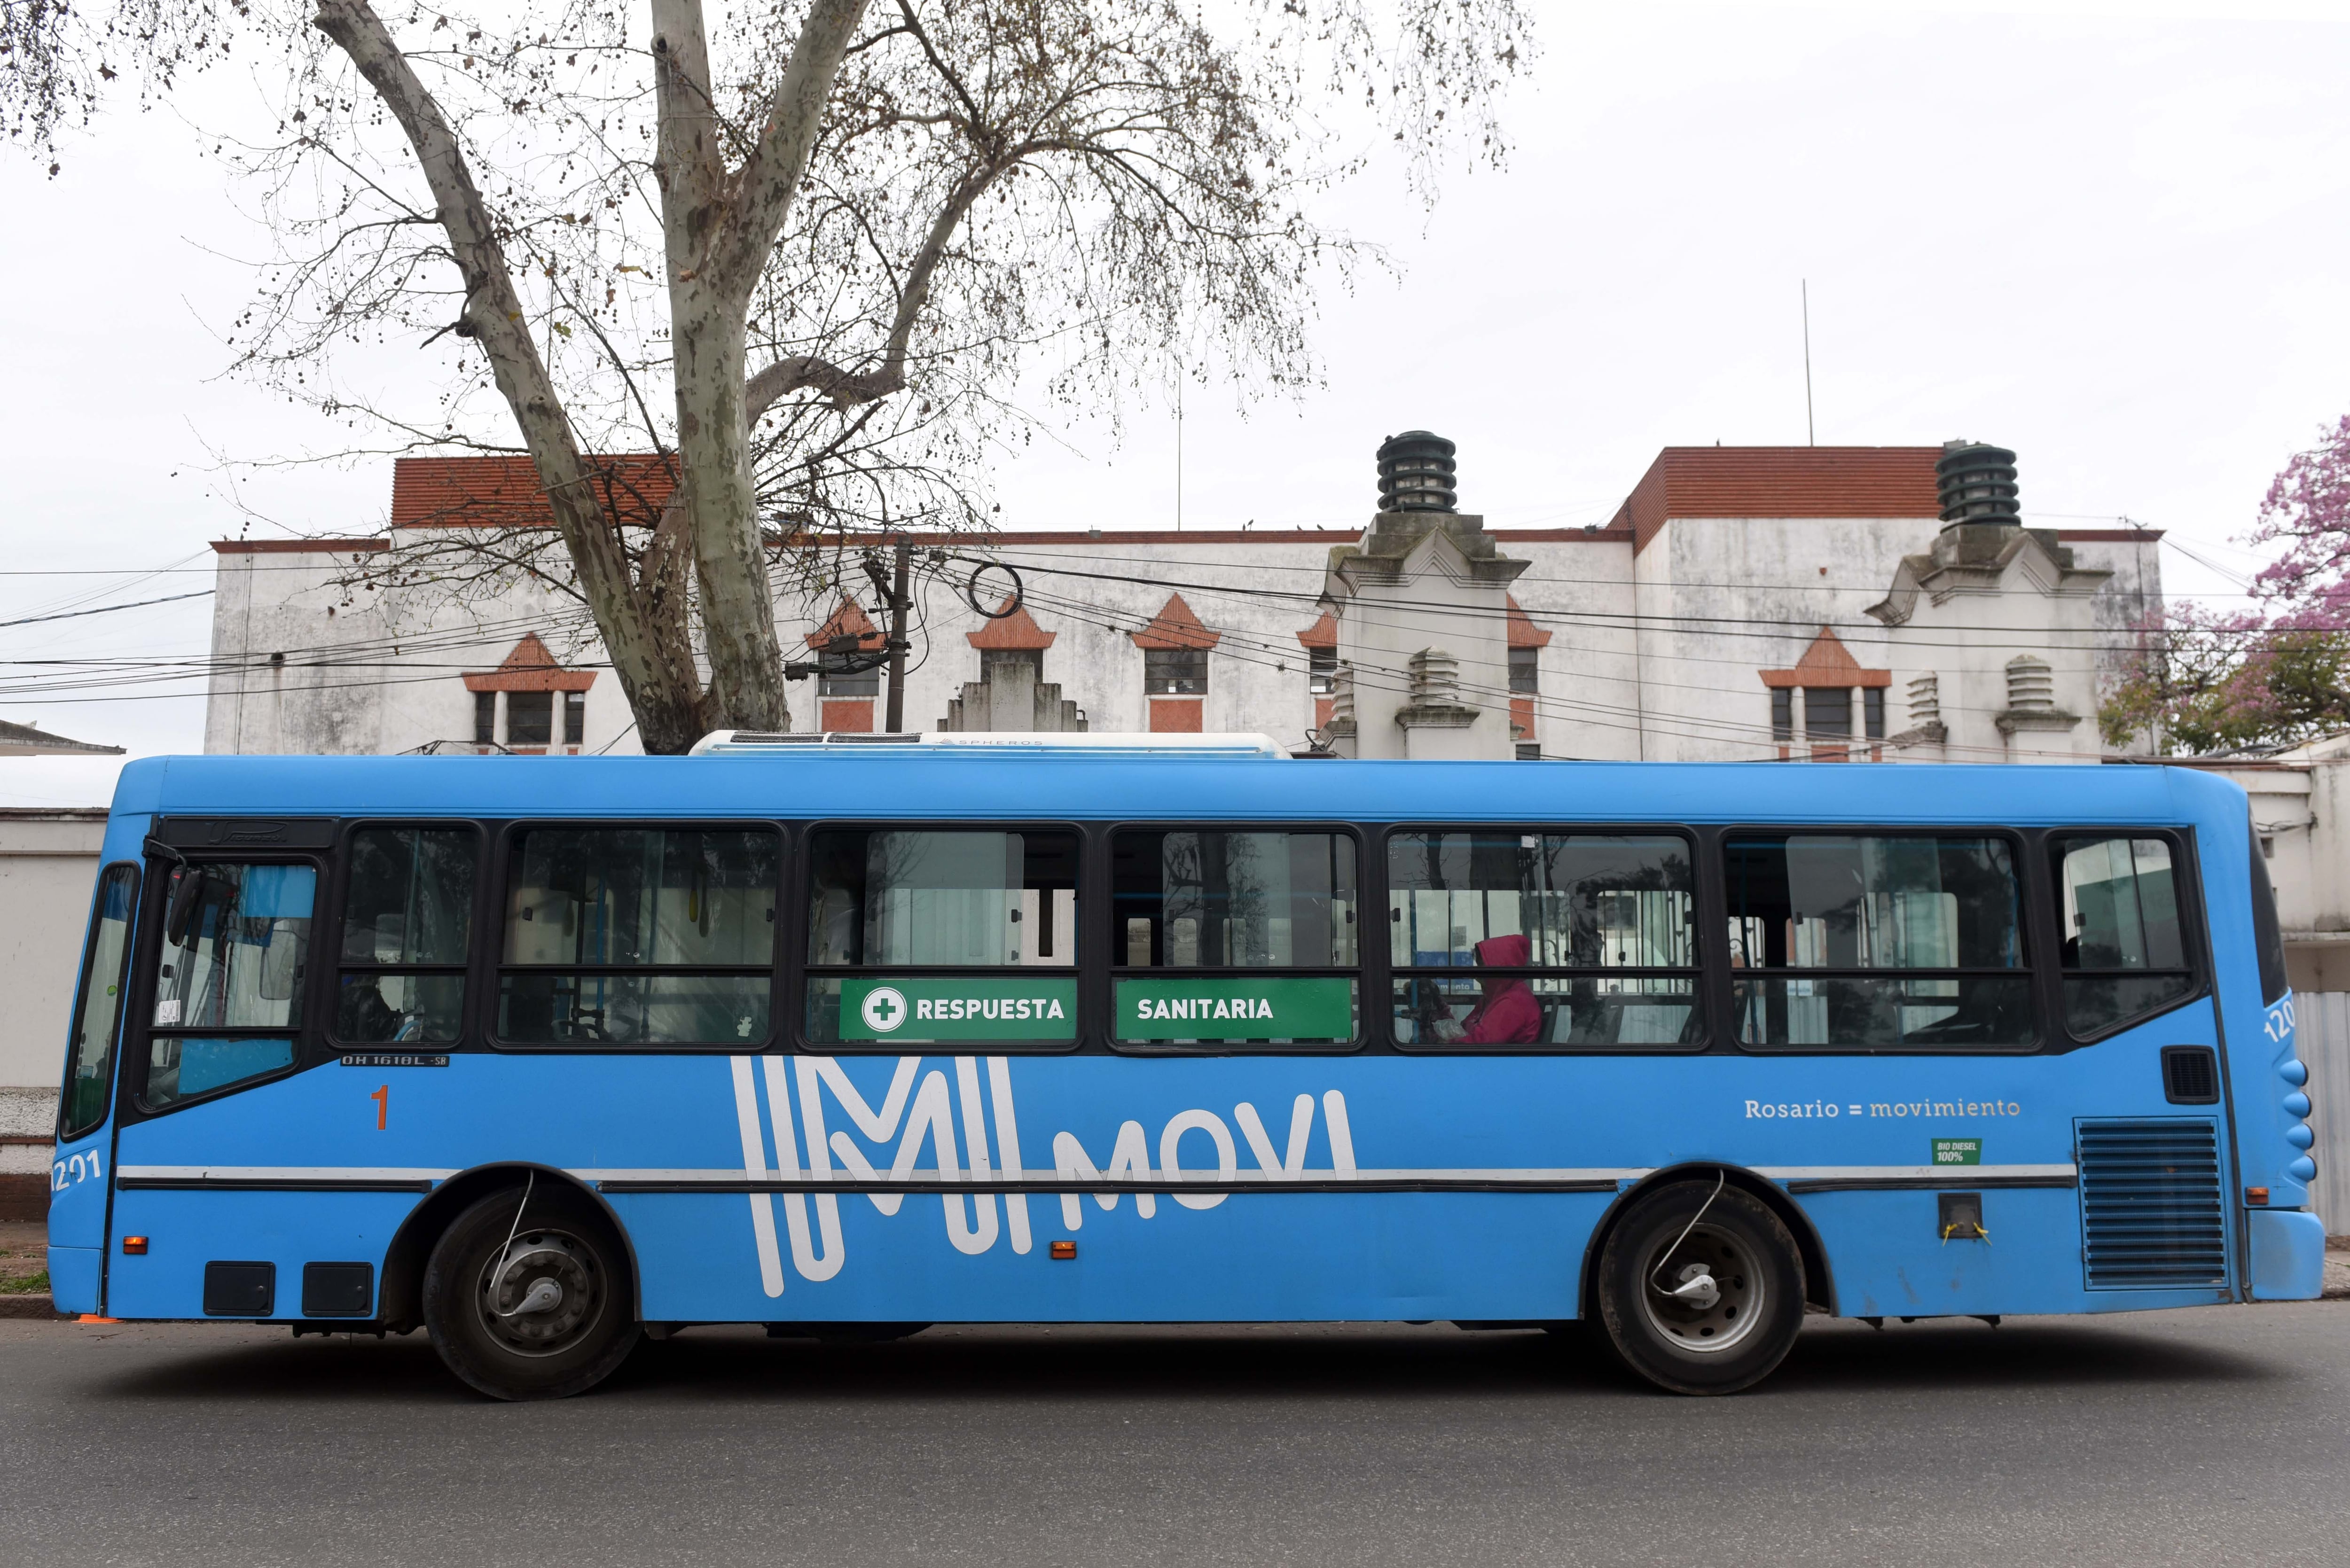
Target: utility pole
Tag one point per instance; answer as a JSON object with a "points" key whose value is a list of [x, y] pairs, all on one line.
{"points": [[895, 720], [1811, 429]]}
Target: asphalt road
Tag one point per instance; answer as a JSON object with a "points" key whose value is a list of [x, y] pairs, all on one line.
{"points": [[2196, 1436]]}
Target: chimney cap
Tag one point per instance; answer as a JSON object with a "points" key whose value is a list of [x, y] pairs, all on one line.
{"points": [[1416, 473], [1976, 483]]}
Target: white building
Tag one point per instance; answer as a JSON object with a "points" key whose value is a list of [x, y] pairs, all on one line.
{"points": [[48, 864], [1799, 602]]}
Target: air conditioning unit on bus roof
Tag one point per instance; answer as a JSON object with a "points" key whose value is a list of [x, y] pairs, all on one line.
{"points": [[764, 742]]}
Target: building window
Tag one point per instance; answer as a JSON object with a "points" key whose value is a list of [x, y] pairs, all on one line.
{"points": [[1782, 714], [837, 677], [1175, 671], [1322, 671], [1827, 713], [1524, 671], [1031, 659], [575, 717], [485, 718], [1828, 722], [1530, 750], [530, 717], [1872, 708]]}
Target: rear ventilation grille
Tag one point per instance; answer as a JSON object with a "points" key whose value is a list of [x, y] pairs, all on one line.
{"points": [[2150, 1204]]}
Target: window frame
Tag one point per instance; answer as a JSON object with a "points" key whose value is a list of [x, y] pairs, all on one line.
{"points": [[489, 942], [1699, 971], [469, 1033], [2031, 898], [127, 964], [2187, 887], [1191, 654], [1367, 965], [138, 1055], [1322, 672], [538, 711], [802, 974]]}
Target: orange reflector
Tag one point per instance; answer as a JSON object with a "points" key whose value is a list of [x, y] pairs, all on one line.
{"points": [[134, 1246], [1065, 1251], [93, 1317], [2256, 1195]]}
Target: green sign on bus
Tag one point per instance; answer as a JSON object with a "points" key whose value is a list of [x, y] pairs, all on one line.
{"points": [[1236, 1009], [922, 1009]]}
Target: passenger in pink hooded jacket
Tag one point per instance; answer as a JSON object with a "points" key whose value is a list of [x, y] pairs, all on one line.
{"points": [[1507, 1013]]}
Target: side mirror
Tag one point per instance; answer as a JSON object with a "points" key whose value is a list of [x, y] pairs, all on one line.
{"points": [[281, 962], [179, 908]]}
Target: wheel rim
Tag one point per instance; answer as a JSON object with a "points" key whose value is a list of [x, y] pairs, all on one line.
{"points": [[1691, 1322], [546, 1296]]}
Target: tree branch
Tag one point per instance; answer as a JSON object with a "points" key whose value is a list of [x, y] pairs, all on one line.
{"points": [[771, 176]]}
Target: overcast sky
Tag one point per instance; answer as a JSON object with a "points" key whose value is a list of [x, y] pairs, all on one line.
{"points": [[2114, 237]]}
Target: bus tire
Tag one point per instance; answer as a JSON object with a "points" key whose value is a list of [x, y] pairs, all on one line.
{"points": [[1742, 1278], [555, 1320]]}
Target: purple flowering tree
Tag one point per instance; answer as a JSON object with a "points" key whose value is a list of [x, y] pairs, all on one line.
{"points": [[2278, 673]]}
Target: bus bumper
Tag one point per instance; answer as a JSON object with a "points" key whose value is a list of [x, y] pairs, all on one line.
{"points": [[2288, 1254], [73, 1278]]}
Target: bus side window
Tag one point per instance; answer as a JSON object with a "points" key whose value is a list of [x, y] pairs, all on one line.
{"points": [[2125, 955], [89, 1059], [228, 989], [1510, 939], [2267, 935], [920, 935], [1876, 941], [408, 918], [1234, 938], [640, 937]]}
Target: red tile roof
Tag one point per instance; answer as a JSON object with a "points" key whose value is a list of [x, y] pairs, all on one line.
{"points": [[505, 492], [530, 668], [1827, 662], [1175, 626], [1017, 630], [849, 621], [1781, 482]]}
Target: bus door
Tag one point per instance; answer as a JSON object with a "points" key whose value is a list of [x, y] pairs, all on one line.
{"points": [[227, 946], [81, 1170], [2150, 1129]]}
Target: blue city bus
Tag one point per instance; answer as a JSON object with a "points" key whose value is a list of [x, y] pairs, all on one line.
{"points": [[849, 1039]]}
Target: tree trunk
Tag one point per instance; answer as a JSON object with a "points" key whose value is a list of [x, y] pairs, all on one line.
{"points": [[661, 685], [738, 616]]}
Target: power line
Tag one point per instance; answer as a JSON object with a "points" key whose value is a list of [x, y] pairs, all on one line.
{"points": [[106, 610]]}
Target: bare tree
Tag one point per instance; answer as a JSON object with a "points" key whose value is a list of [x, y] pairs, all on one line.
{"points": [[807, 260]]}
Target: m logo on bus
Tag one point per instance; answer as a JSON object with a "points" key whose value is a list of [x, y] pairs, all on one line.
{"points": [[972, 1138]]}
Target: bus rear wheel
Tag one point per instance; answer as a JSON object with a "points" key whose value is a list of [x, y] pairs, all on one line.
{"points": [[529, 1302], [1700, 1288]]}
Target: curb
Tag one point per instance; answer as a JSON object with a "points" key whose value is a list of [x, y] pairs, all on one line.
{"points": [[39, 1307]]}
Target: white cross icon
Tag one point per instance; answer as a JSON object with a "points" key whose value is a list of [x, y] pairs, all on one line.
{"points": [[884, 1008]]}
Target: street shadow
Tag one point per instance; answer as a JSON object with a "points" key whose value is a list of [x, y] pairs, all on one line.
{"points": [[1144, 1364]]}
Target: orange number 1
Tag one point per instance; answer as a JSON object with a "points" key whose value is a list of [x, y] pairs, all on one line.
{"points": [[383, 1098]]}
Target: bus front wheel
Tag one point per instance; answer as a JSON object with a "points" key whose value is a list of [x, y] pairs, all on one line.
{"points": [[529, 1302], [1700, 1288]]}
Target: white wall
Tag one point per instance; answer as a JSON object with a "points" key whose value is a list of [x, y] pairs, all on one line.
{"points": [[49, 867], [1716, 601]]}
